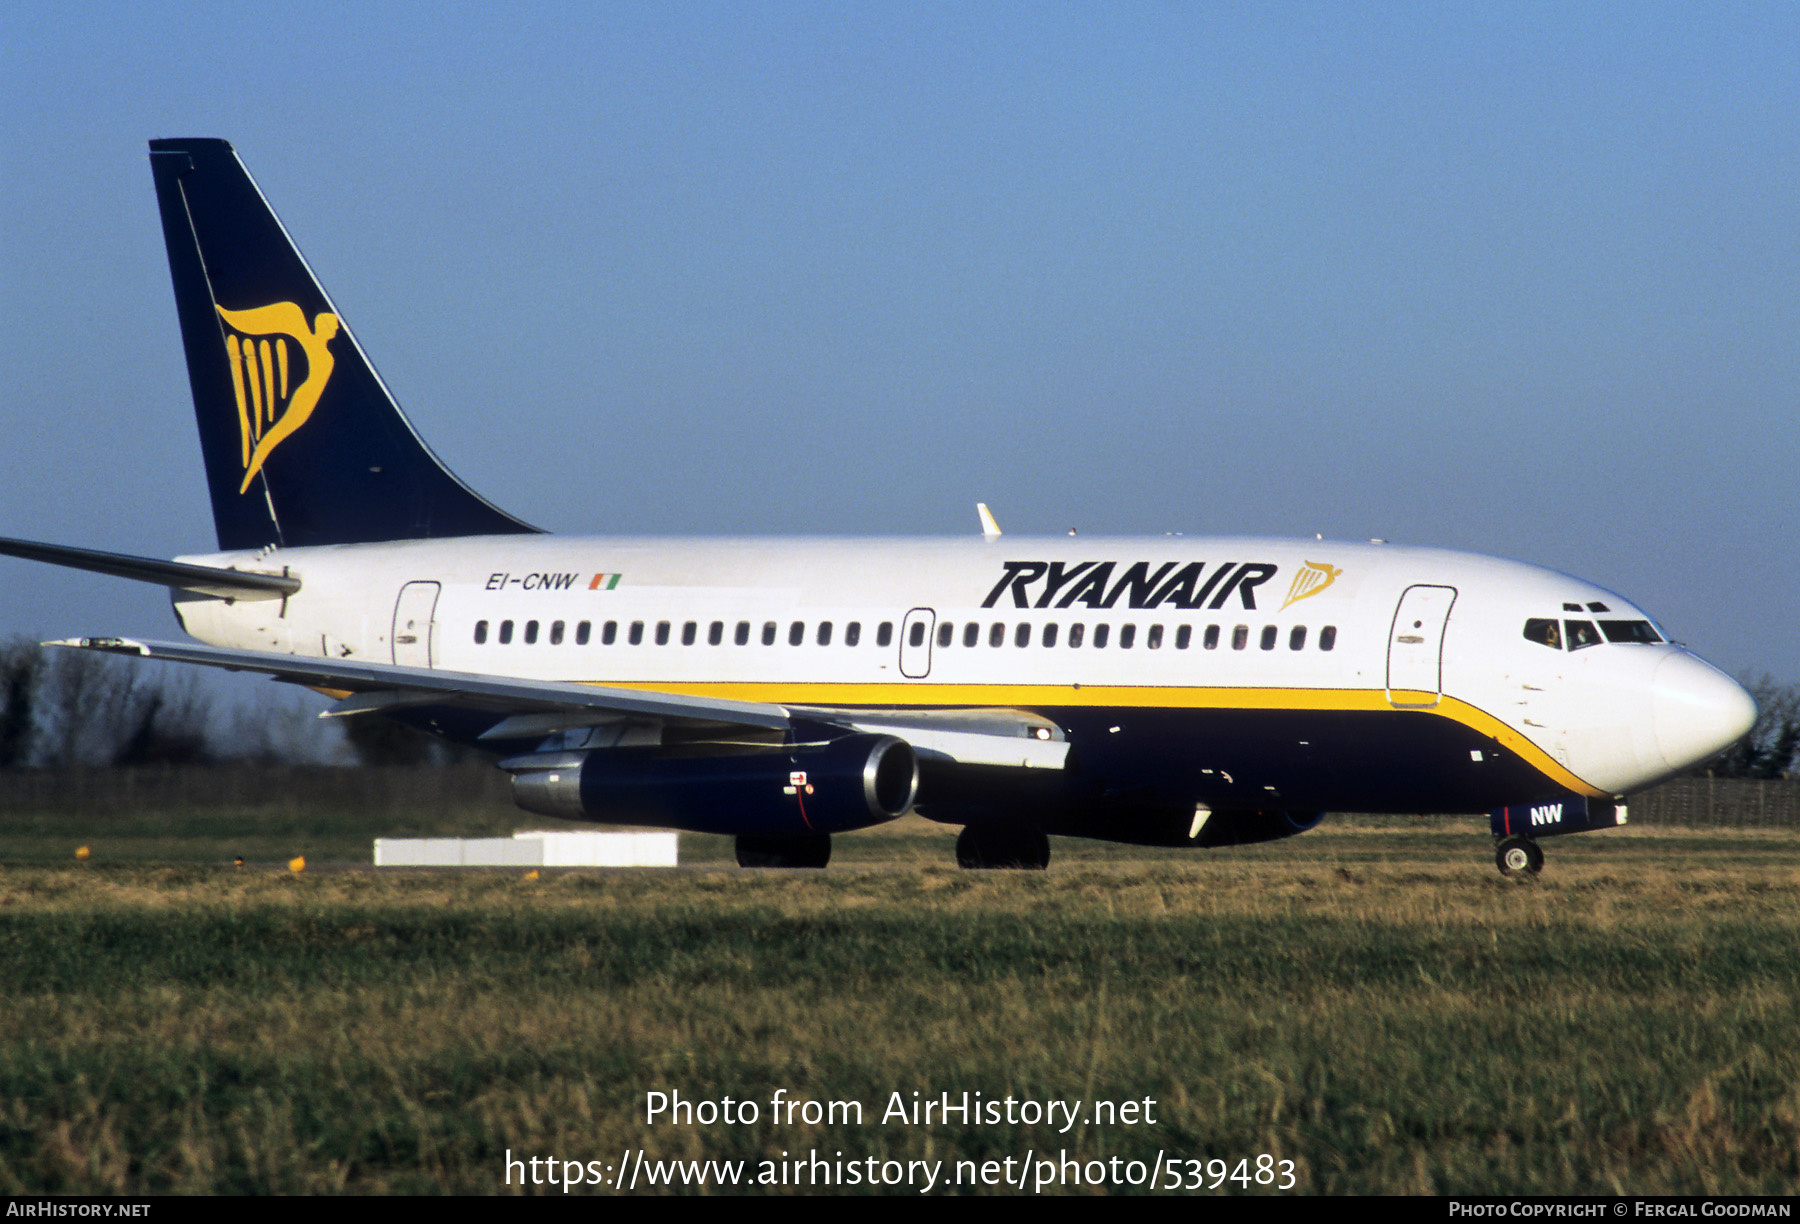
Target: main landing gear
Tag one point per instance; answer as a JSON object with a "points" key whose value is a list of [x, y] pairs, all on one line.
{"points": [[1017, 847], [1518, 856], [812, 851]]}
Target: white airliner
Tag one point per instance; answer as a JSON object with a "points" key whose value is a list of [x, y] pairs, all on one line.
{"points": [[1166, 691]]}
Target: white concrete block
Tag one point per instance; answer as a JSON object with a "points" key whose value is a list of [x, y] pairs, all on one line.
{"points": [[584, 849], [531, 849]]}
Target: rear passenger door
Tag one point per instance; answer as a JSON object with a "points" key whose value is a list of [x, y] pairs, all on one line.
{"points": [[413, 613]]}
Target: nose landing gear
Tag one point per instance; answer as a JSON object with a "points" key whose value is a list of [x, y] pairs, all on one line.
{"points": [[1518, 856], [1517, 828]]}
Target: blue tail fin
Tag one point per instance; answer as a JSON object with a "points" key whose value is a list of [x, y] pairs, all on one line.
{"points": [[302, 442]]}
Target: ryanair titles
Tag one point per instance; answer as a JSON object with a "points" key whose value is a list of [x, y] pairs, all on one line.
{"points": [[1101, 584]]}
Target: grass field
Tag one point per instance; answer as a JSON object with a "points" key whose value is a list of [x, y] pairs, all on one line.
{"points": [[1371, 1001]]}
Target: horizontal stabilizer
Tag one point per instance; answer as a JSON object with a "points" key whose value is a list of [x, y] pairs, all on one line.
{"points": [[201, 579]]}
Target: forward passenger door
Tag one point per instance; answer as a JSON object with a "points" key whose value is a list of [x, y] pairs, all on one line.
{"points": [[1416, 647]]}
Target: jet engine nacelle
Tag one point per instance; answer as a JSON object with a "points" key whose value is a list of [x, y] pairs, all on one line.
{"points": [[848, 783]]}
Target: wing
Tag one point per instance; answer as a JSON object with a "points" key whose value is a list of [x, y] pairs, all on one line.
{"points": [[377, 686], [540, 709]]}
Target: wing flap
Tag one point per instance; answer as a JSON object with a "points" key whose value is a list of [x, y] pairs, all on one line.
{"points": [[1011, 739]]}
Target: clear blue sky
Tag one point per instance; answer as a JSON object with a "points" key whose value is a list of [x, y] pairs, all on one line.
{"points": [[1522, 278]]}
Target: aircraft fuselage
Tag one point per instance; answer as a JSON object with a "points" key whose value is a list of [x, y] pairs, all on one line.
{"points": [[1228, 672]]}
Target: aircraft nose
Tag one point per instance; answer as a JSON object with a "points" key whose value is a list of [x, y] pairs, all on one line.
{"points": [[1697, 710]]}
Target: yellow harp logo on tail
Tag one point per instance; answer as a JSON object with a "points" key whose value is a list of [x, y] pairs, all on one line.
{"points": [[270, 405], [1312, 578]]}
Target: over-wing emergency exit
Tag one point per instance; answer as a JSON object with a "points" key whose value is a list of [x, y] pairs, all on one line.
{"points": [[1176, 691]]}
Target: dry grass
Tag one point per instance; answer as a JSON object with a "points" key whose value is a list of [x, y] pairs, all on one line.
{"points": [[1373, 1002]]}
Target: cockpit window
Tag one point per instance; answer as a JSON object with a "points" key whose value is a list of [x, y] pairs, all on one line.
{"points": [[1581, 633], [1630, 631]]}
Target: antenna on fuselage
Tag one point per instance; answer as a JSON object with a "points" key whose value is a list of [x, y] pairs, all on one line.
{"points": [[990, 530]]}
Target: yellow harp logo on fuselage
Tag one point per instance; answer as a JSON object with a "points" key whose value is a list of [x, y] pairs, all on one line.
{"points": [[1314, 577], [270, 407]]}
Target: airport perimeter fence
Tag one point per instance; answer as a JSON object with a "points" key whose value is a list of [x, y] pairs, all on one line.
{"points": [[1739, 803], [371, 789], [482, 790]]}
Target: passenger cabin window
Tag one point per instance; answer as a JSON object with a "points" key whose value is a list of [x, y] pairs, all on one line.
{"points": [[715, 633], [1022, 635], [796, 633], [1297, 638], [1049, 635], [1100, 632], [997, 634], [946, 633], [917, 636], [1269, 634], [824, 637], [742, 636], [689, 631], [853, 633], [768, 633], [531, 633], [884, 633], [505, 632], [583, 632], [1328, 637], [1544, 632], [556, 633], [1153, 639], [1184, 636], [609, 633], [662, 633], [1581, 634], [1211, 641], [636, 635], [1240, 637], [480, 632], [1076, 633], [971, 634], [1127, 635]]}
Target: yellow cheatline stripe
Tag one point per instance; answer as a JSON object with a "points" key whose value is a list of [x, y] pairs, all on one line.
{"points": [[1027, 696]]}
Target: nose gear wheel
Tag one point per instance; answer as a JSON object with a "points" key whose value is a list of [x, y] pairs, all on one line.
{"points": [[1518, 856]]}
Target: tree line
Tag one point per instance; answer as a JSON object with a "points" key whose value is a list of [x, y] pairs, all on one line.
{"points": [[73, 709], [1772, 749]]}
